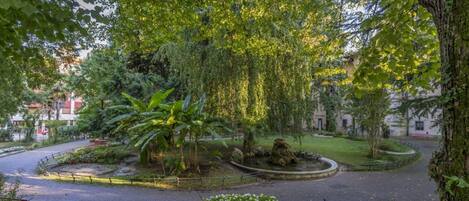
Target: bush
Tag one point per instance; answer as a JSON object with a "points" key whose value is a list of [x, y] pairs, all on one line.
{"points": [[390, 145], [68, 131], [245, 197], [101, 154], [5, 135], [339, 134]]}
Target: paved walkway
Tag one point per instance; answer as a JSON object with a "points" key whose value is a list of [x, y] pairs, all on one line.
{"points": [[407, 184]]}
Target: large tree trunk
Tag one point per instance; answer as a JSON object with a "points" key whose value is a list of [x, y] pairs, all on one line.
{"points": [[452, 21]]}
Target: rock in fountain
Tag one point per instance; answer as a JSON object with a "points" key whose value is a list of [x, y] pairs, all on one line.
{"points": [[281, 153]]}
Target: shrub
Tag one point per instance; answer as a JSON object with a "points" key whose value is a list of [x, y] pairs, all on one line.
{"points": [[245, 197], [101, 154], [68, 131], [5, 135], [389, 145], [339, 134]]}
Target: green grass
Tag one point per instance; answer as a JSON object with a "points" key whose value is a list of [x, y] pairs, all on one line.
{"points": [[392, 145], [354, 153]]}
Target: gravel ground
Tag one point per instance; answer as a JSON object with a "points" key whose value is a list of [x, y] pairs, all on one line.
{"points": [[410, 183]]}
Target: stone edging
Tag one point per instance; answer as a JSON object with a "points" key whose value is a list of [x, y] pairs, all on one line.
{"points": [[322, 136], [411, 152], [290, 175], [11, 151]]}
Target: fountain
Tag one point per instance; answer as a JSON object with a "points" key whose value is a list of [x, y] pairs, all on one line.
{"points": [[283, 163]]}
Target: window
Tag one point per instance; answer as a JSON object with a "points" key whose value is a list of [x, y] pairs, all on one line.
{"points": [[344, 123], [419, 126]]}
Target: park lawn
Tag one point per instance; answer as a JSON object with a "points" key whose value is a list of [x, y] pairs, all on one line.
{"points": [[393, 145], [346, 151]]}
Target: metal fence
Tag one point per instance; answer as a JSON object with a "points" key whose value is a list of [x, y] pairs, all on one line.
{"points": [[44, 166]]}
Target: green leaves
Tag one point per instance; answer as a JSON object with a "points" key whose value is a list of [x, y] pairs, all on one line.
{"points": [[137, 104], [121, 117], [253, 60], [158, 97], [37, 36], [402, 54], [143, 142], [157, 123], [15, 4], [453, 182]]}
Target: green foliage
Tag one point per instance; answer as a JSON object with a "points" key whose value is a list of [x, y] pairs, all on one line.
{"points": [[391, 145], [369, 110], [36, 36], [165, 126], [245, 197], [254, 60], [101, 79], [30, 119], [402, 51], [5, 135], [54, 126], [454, 182], [102, 154], [68, 131]]}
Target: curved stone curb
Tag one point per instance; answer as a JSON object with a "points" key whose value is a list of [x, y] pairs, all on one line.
{"points": [[11, 153], [411, 152], [292, 175], [322, 136]]}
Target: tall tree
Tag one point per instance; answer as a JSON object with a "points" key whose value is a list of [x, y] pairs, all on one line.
{"points": [[34, 34], [420, 42], [451, 18], [254, 59]]}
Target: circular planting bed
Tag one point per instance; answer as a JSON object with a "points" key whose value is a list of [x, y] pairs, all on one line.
{"points": [[410, 152], [118, 165], [325, 168], [397, 149]]}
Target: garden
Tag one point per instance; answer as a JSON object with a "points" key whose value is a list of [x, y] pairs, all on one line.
{"points": [[216, 94], [176, 144]]}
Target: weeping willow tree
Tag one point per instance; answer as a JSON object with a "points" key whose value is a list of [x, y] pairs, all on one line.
{"points": [[253, 59]]}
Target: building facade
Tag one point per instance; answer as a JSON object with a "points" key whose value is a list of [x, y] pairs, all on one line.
{"points": [[67, 111]]}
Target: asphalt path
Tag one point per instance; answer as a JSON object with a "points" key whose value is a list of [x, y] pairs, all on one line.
{"points": [[410, 183]]}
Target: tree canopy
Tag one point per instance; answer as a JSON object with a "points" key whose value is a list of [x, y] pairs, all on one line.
{"points": [[34, 36]]}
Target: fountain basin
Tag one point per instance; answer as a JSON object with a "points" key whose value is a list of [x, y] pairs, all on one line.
{"points": [[293, 175]]}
